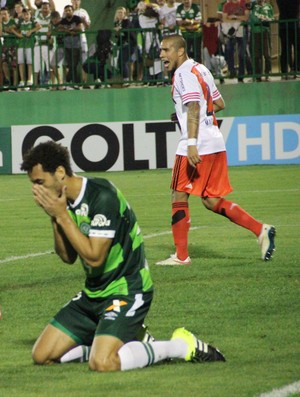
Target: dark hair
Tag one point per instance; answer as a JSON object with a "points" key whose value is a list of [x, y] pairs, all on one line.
{"points": [[55, 14], [50, 155], [177, 41], [69, 6]]}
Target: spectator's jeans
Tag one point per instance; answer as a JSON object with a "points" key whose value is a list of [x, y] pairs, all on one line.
{"points": [[230, 48], [72, 57], [261, 48], [124, 56]]}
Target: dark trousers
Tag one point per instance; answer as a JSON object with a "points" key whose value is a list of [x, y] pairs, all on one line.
{"points": [[72, 61], [229, 55], [289, 35], [260, 48]]}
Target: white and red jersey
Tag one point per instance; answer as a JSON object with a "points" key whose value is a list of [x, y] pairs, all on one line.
{"points": [[193, 82]]}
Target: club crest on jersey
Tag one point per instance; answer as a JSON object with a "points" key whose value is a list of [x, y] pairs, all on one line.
{"points": [[100, 221], [83, 210]]}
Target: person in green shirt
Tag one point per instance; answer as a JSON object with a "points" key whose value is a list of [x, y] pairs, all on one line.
{"points": [[26, 34], [9, 47], [188, 18], [92, 220], [260, 17]]}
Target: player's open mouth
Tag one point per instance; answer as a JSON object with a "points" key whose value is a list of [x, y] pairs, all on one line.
{"points": [[166, 63]]}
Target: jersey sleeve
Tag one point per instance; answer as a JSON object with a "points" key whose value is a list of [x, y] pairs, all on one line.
{"points": [[104, 214], [188, 87]]}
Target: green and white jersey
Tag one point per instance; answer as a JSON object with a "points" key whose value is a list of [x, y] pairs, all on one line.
{"points": [[44, 22], [27, 42], [260, 17], [102, 211], [9, 39]]}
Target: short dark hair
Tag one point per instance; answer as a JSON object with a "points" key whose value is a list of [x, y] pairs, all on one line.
{"points": [[69, 6], [177, 41], [50, 155], [55, 14]]}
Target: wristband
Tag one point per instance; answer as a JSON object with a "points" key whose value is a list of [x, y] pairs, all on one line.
{"points": [[192, 142]]}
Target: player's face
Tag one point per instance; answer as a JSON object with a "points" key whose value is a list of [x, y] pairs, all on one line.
{"points": [[50, 181], [169, 55]]}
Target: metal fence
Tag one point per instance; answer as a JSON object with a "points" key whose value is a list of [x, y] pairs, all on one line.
{"points": [[105, 58]]}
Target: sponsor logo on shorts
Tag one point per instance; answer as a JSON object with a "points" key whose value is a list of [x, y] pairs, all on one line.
{"points": [[110, 316], [111, 312]]}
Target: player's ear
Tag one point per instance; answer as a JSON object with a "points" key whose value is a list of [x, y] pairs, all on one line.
{"points": [[181, 52], [60, 173]]}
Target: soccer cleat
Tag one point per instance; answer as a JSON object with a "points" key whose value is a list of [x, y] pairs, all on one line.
{"points": [[198, 351], [266, 241], [174, 261]]}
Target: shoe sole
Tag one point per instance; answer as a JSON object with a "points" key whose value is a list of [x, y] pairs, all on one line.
{"points": [[271, 249]]}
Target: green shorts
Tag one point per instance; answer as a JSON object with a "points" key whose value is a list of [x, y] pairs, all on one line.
{"points": [[84, 318]]}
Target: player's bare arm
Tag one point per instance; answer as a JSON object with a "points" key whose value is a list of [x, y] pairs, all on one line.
{"points": [[62, 246], [193, 119], [219, 104], [92, 250]]}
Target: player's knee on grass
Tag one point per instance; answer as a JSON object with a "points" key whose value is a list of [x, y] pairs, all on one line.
{"points": [[40, 357], [105, 364]]}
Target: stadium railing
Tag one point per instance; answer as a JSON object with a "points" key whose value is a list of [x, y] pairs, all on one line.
{"points": [[138, 51]]}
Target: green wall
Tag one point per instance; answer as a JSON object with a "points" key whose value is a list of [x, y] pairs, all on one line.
{"points": [[149, 103]]}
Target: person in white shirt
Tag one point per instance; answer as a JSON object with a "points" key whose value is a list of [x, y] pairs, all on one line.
{"points": [[200, 166], [86, 23]]}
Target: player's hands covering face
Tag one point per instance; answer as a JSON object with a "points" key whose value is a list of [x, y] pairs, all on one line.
{"points": [[53, 203]]}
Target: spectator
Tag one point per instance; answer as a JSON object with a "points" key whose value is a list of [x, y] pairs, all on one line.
{"points": [[124, 42], [188, 18], [136, 59], [96, 64], [38, 4], [148, 19], [212, 54], [167, 17], [234, 14], [167, 22], [289, 33], [86, 24], [41, 49], [260, 17], [72, 26], [18, 12], [9, 47], [56, 40], [26, 34]]}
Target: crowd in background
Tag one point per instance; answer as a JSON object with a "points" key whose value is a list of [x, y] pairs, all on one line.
{"points": [[41, 49]]}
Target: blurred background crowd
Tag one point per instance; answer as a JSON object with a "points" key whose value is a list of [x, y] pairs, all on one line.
{"points": [[74, 44]]}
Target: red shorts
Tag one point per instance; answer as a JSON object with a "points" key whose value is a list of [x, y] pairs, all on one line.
{"points": [[208, 179]]}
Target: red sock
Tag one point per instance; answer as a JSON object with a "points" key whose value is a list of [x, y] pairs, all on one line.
{"points": [[238, 216], [180, 228]]}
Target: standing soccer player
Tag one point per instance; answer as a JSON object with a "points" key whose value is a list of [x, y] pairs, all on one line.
{"points": [[201, 164], [91, 219]]}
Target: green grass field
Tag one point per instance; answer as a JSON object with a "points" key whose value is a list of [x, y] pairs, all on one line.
{"points": [[228, 296]]}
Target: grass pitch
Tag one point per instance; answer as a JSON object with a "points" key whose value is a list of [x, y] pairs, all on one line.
{"points": [[229, 297]]}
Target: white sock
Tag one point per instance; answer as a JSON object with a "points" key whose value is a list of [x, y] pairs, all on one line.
{"points": [[138, 355], [78, 354]]}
